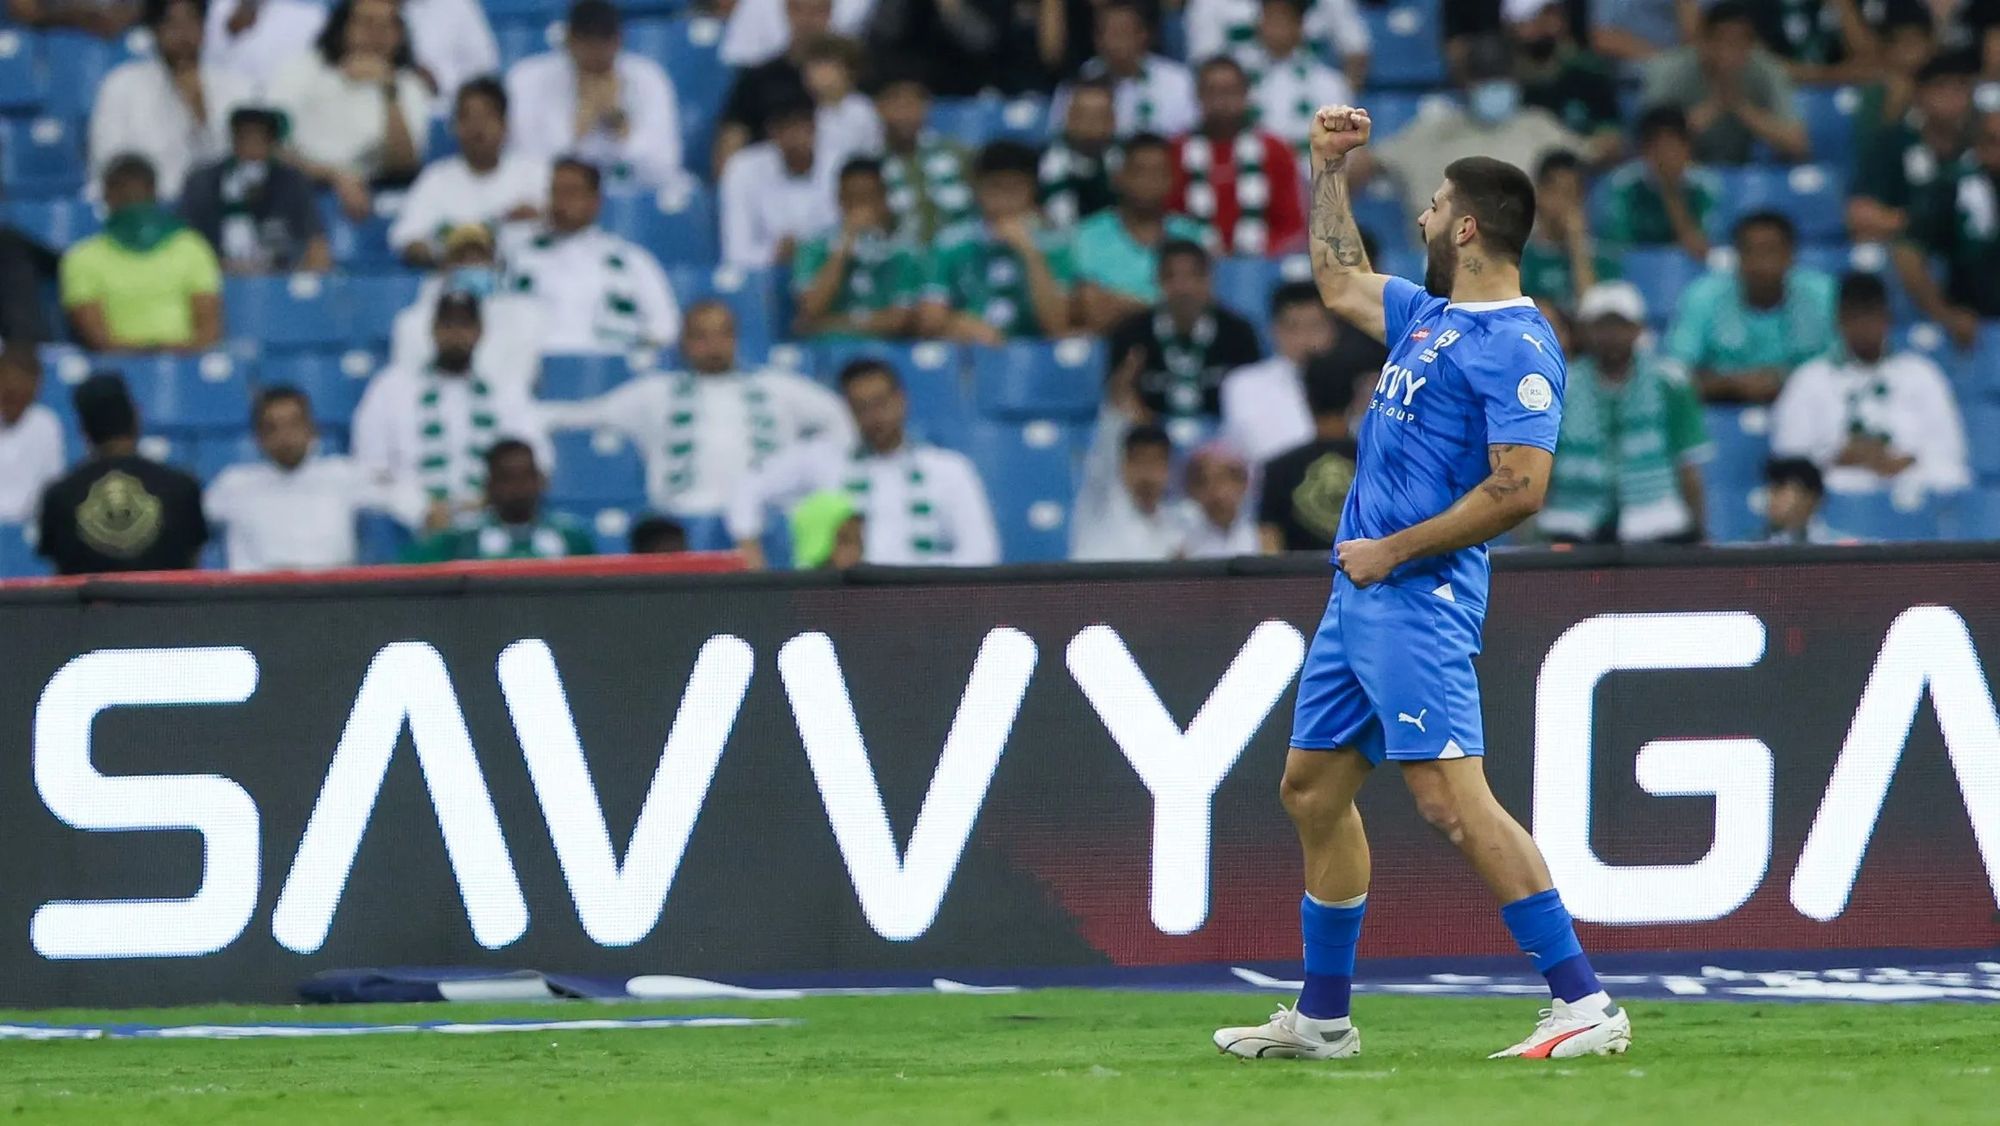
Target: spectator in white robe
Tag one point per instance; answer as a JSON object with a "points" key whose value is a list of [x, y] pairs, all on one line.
{"points": [[778, 193], [171, 108], [484, 183], [594, 100], [599, 293]]}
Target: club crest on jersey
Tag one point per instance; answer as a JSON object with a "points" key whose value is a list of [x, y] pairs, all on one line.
{"points": [[1444, 341], [1421, 334]]}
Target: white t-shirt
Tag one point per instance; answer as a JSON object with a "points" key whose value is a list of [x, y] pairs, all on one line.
{"points": [[1264, 411], [389, 445], [284, 30], [1159, 99], [762, 203], [1201, 539], [642, 409], [300, 519], [510, 345], [1288, 93], [847, 129], [339, 122], [541, 101], [599, 293], [759, 31], [138, 110], [452, 40], [448, 192], [1905, 398], [1210, 23], [959, 520], [31, 456]]}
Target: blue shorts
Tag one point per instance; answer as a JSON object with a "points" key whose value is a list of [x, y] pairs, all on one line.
{"points": [[1390, 674]]}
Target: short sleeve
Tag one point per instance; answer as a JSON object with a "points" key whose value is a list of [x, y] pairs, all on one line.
{"points": [[82, 280], [1402, 301], [1687, 430], [1687, 341], [937, 272], [199, 269], [1061, 261], [1519, 386], [807, 263]]}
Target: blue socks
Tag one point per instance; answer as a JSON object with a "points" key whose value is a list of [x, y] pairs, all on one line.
{"points": [[1543, 929], [1331, 932]]}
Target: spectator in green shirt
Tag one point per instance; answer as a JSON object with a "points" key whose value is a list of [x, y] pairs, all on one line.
{"points": [[1005, 276], [1628, 463], [1561, 258], [148, 282], [1906, 41], [1910, 159], [858, 279], [1662, 198], [1741, 331], [1563, 78], [1117, 251], [513, 525], [1962, 227]]}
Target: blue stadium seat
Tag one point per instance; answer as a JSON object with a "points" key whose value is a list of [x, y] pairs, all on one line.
{"points": [[1660, 272], [207, 392], [1064, 379], [17, 559], [678, 227], [55, 223], [379, 538], [20, 71], [1408, 43], [596, 469], [933, 375], [1930, 341], [301, 311], [580, 377], [1736, 471], [76, 63], [523, 11], [1829, 117], [1244, 285], [974, 122], [756, 296], [1972, 515], [375, 299], [1982, 421], [520, 38], [333, 381], [1378, 210], [361, 246], [216, 452], [1030, 474], [1391, 111], [1982, 372], [690, 48], [41, 156], [1875, 516], [442, 142], [1813, 195]]}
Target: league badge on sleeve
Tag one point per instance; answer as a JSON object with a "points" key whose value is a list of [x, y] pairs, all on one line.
{"points": [[1534, 392]]}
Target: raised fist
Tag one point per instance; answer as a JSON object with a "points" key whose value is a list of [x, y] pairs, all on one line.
{"points": [[1338, 130]]}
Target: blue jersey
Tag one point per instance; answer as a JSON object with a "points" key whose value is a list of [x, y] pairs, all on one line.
{"points": [[1460, 378]]}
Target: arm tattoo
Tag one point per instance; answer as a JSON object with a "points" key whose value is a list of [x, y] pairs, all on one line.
{"points": [[1504, 482], [1336, 241]]}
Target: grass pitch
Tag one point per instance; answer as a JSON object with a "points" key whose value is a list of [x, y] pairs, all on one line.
{"points": [[1044, 1057]]}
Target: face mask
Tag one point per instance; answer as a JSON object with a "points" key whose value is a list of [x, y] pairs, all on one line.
{"points": [[480, 281], [1494, 101], [1540, 50]]}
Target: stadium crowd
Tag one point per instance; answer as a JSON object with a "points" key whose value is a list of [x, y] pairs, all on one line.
{"points": [[285, 285]]}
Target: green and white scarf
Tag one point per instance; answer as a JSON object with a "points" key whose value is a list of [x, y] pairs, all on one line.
{"points": [[685, 429], [927, 189], [1186, 359], [1615, 458], [1868, 403], [1071, 182], [926, 530], [1251, 233], [617, 322], [434, 457], [1258, 65]]}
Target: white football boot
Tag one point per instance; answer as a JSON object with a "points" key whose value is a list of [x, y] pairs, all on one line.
{"points": [[1282, 1037], [1570, 1030]]}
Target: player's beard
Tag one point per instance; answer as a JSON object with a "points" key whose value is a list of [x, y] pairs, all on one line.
{"points": [[1440, 265]]}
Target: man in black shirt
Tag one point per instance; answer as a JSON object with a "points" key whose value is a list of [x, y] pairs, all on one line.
{"points": [[257, 211], [119, 511], [1173, 356], [1305, 488], [781, 81], [1565, 79]]}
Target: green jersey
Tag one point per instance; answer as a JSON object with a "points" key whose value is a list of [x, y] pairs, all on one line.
{"points": [[1962, 226], [975, 273], [1637, 212], [551, 537], [1898, 169], [1620, 448], [928, 189], [1719, 331], [881, 273], [1546, 271]]}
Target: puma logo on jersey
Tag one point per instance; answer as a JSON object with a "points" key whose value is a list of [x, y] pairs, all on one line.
{"points": [[1530, 339], [1416, 721]]}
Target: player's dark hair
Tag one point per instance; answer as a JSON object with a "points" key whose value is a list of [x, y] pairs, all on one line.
{"points": [[867, 366], [1140, 141], [861, 166], [1499, 197], [1329, 385], [1863, 292], [1183, 248], [1144, 437], [104, 408], [485, 86], [1007, 157], [1725, 12], [1661, 120], [657, 535], [274, 394], [590, 172], [505, 447], [1558, 160], [1794, 471], [1294, 293], [1776, 220]]}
